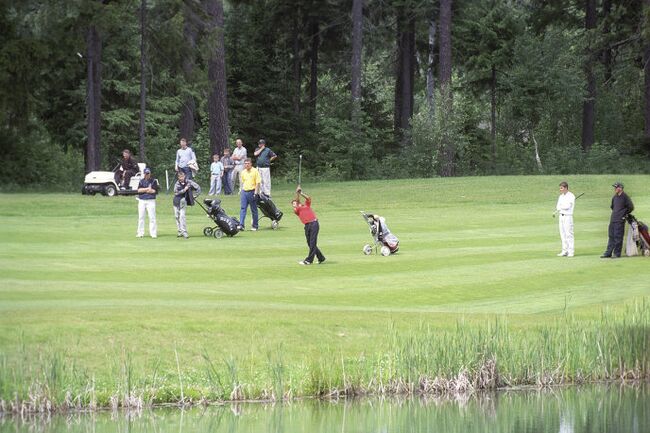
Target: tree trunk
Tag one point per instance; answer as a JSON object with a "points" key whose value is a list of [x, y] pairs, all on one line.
{"points": [[405, 73], [357, 44], [538, 160], [186, 124], [646, 73], [313, 79], [143, 76], [92, 154], [607, 51], [430, 78], [217, 100], [589, 104], [493, 116], [445, 43], [297, 69], [447, 145]]}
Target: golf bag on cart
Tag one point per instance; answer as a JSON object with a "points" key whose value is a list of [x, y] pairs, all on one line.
{"points": [[225, 224], [640, 235], [385, 241], [269, 209]]}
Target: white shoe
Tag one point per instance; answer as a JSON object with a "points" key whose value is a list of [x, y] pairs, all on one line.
{"points": [[302, 262], [570, 255], [562, 254], [253, 229], [139, 236]]}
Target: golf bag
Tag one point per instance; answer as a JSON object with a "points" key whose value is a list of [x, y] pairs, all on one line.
{"points": [[269, 210], [640, 234], [225, 224], [387, 242]]}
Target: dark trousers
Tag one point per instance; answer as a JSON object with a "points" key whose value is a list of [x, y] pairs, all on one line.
{"points": [[615, 242], [311, 234], [122, 178], [247, 199], [227, 182], [187, 171]]}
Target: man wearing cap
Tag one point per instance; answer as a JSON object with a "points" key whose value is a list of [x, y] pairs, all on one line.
{"points": [[564, 208], [621, 206], [147, 190], [250, 188], [264, 158]]}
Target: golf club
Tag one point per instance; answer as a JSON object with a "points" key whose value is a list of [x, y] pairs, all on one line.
{"points": [[555, 213], [300, 169]]}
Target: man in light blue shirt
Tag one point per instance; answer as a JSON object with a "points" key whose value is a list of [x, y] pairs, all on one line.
{"points": [[184, 156]]}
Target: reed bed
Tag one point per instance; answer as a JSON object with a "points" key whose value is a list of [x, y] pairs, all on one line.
{"points": [[469, 358]]}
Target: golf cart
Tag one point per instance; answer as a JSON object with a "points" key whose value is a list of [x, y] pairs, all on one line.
{"points": [[104, 182]]}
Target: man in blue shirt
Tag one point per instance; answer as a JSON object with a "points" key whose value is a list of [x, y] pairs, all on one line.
{"points": [[147, 190], [264, 157], [184, 156]]}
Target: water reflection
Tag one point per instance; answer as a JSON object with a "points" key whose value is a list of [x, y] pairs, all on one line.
{"points": [[571, 410]]}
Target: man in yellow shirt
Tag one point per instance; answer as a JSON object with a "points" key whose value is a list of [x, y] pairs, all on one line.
{"points": [[249, 179]]}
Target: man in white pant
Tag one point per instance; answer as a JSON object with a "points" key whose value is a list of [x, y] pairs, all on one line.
{"points": [[239, 155], [264, 158], [564, 208], [147, 190]]}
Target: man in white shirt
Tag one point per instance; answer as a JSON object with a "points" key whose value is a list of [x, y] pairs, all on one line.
{"points": [[238, 157], [564, 208]]}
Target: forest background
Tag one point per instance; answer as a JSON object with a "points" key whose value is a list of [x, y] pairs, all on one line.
{"points": [[363, 89]]}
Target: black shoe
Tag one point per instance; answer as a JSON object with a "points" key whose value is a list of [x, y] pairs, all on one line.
{"points": [[320, 262], [605, 256], [616, 257]]}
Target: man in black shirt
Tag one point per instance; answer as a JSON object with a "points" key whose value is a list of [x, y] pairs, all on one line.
{"points": [[621, 206]]}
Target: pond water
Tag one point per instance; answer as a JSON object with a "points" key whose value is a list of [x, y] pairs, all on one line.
{"points": [[612, 409]]}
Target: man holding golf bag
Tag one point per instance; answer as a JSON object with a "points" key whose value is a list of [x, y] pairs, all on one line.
{"points": [[621, 206]]}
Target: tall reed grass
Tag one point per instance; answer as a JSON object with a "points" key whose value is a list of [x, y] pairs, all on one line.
{"points": [[468, 358]]}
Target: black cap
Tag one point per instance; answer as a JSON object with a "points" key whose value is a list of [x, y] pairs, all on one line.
{"points": [[618, 185], [262, 141]]}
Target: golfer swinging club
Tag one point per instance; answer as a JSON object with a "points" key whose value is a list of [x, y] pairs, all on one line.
{"points": [[308, 218]]}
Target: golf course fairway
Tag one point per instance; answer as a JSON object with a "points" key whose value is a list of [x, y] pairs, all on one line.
{"points": [[92, 316]]}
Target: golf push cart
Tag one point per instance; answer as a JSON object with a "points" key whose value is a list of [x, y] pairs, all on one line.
{"points": [[104, 183]]}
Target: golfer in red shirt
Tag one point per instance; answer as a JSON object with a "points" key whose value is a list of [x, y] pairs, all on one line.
{"points": [[308, 218]]}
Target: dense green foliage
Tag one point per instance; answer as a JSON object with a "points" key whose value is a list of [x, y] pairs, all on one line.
{"points": [[86, 307], [536, 50]]}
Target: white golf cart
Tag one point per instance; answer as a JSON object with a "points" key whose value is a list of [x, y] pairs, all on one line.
{"points": [[104, 182]]}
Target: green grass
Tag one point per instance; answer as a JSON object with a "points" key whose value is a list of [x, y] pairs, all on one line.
{"points": [[87, 308]]}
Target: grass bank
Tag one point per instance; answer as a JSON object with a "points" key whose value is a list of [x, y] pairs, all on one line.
{"points": [[91, 316]]}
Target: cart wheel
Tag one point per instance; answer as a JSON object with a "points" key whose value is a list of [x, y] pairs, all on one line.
{"points": [[385, 251], [646, 252], [110, 190], [367, 249], [207, 231], [274, 224], [218, 233]]}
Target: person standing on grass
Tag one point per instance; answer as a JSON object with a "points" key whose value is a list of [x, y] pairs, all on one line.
{"points": [[308, 218], [147, 190], [184, 156], [565, 204], [264, 158], [183, 197], [621, 206], [216, 174], [227, 170], [250, 189], [239, 155]]}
